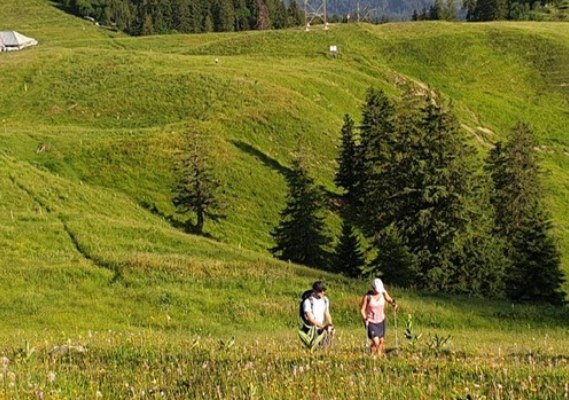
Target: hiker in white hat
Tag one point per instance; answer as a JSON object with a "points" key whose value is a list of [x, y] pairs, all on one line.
{"points": [[373, 314]]}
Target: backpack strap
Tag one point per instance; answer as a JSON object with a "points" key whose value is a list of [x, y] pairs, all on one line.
{"points": [[304, 319]]}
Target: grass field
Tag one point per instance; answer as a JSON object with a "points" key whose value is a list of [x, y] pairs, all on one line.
{"points": [[90, 122]]}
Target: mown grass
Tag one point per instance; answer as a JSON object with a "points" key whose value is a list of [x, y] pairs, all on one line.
{"points": [[90, 123]]}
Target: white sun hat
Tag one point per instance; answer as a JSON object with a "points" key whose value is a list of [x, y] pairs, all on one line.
{"points": [[378, 285]]}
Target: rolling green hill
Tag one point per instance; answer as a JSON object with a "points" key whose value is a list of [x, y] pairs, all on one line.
{"points": [[91, 121], [102, 298]]}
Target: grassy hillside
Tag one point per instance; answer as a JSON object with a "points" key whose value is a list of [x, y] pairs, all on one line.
{"points": [[90, 122], [102, 112], [125, 102]]}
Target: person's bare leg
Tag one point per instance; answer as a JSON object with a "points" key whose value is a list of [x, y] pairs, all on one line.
{"points": [[381, 347], [375, 345]]}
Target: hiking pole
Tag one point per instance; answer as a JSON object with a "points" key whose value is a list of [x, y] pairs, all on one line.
{"points": [[396, 335]]}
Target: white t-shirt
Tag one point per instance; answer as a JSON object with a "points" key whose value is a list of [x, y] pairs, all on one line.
{"points": [[317, 307]]}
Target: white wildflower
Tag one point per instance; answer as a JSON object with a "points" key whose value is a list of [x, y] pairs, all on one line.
{"points": [[4, 362]]}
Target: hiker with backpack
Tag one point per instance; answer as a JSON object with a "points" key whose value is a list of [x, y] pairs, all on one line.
{"points": [[373, 314], [315, 309]]}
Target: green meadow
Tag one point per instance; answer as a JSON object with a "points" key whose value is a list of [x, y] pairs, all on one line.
{"points": [[101, 297]]}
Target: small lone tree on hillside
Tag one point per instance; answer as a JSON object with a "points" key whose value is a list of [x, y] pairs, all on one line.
{"points": [[300, 235], [197, 190]]}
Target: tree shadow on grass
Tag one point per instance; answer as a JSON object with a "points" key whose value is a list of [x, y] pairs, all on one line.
{"points": [[335, 202], [265, 159], [187, 226]]}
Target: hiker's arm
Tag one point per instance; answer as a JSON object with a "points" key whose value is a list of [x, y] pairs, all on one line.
{"points": [[390, 299], [328, 316], [310, 318], [363, 306]]}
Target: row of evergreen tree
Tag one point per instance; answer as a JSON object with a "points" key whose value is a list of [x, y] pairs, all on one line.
{"points": [[414, 191], [479, 10], [431, 215], [147, 17]]}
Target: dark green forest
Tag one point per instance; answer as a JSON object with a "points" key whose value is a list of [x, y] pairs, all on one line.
{"points": [[147, 17]]}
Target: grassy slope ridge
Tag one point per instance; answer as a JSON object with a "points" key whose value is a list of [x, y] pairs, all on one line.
{"points": [[91, 121]]}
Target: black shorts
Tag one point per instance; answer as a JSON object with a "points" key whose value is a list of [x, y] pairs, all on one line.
{"points": [[376, 330]]}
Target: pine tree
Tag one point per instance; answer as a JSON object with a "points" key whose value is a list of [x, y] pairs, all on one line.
{"points": [[295, 14], [348, 257], [447, 183], [242, 15], [435, 11], [147, 25], [372, 188], [449, 11], [197, 191], [515, 173], [346, 176], [394, 261], [469, 6], [535, 273], [300, 235], [431, 178], [182, 17], [490, 10], [163, 16], [121, 14], [479, 258], [224, 15], [207, 25]]}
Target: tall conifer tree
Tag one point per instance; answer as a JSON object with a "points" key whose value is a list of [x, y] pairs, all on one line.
{"points": [[535, 273], [394, 260], [295, 14], [300, 235], [348, 257], [346, 176], [375, 153]]}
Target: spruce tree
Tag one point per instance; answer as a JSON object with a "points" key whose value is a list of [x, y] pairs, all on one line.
{"points": [[182, 18], [295, 14], [490, 10], [300, 235], [242, 15], [147, 25], [394, 261], [372, 188], [515, 173], [431, 179], [224, 15], [535, 273], [346, 176], [197, 190], [348, 257], [479, 258]]}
